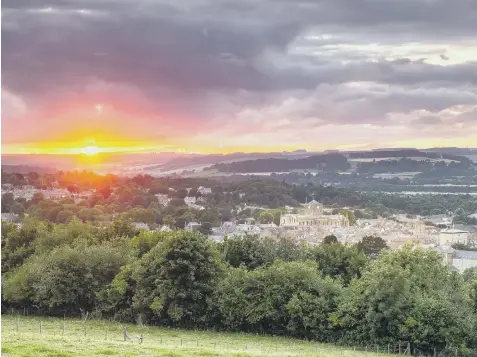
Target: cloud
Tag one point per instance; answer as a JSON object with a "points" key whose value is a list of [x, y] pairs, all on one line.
{"points": [[13, 106], [175, 69]]}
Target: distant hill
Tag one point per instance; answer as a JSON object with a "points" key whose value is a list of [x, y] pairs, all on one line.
{"points": [[24, 169], [408, 153], [327, 162]]}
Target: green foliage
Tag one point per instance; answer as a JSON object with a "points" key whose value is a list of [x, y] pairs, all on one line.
{"points": [[251, 251], [66, 279], [116, 299], [244, 251], [407, 295], [340, 261], [145, 241], [176, 279], [372, 246], [331, 239], [7, 202], [284, 298], [66, 257]]}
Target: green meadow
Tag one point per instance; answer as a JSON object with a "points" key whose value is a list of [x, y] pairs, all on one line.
{"points": [[53, 337]]}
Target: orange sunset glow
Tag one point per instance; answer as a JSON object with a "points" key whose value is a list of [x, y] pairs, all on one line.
{"points": [[216, 87]]}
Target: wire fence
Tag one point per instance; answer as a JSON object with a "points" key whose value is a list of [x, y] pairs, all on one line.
{"points": [[83, 330]]}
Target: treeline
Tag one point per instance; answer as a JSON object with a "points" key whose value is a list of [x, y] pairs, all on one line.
{"points": [[361, 295], [104, 198], [379, 154], [409, 165], [327, 162]]}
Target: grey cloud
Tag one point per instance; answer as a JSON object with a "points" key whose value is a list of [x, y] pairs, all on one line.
{"points": [[429, 120], [187, 56]]}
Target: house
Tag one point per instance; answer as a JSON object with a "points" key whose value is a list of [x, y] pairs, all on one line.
{"points": [[163, 199], [451, 236], [192, 226], [459, 260], [165, 228], [189, 200], [227, 227], [9, 217], [141, 225], [439, 219], [204, 190], [465, 227]]}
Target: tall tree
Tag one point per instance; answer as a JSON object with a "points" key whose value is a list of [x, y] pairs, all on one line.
{"points": [[372, 246], [176, 279]]}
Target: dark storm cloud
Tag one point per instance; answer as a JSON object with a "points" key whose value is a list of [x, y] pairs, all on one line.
{"points": [[180, 54]]}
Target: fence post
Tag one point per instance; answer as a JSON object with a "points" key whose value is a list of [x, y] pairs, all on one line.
{"points": [[377, 350], [435, 355], [64, 318], [388, 349], [18, 322], [409, 348], [366, 350], [125, 334], [40, 328], [399, 347], [456, 352]]}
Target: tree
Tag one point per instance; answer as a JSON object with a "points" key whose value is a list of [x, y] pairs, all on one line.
{"points": [[340, 261], [244, 251], [66, 279], [64, 216], [265, 217], [176, 279], [7, 202], [37, 197], [372, 245], [284, 298], [105, 192], [210, 216], [169, 221], [206, 228], [18, 209], [72, 189], [407, 295], [331, 239]]}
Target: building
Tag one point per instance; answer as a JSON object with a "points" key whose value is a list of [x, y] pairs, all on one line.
{"points": [[163, 199], [165, 228], [192, 226], [141, 225], [451, 236], [459, 260], [439, 219], [204, 190], [312, 215], [9, 217]]}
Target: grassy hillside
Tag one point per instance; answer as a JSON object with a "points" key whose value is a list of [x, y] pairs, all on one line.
{"points": [[61, 338]]}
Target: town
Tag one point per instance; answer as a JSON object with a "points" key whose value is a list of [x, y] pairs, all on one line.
{"points": [[309, 222]]}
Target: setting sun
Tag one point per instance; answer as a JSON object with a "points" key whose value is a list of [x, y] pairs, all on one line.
{"points": [[90, 150]]}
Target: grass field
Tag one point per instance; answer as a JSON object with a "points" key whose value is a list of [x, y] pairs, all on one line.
{"points": [[62, 338]]}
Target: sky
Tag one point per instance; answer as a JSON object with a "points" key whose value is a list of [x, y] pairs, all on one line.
{"points": [[237, 75]]}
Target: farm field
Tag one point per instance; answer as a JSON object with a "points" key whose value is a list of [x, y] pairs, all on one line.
{"points": [[54, 337]]}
